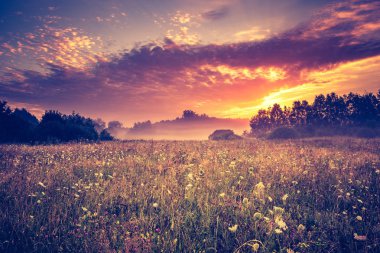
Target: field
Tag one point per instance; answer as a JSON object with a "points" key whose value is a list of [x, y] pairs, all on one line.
{"points": [[315, 195]]}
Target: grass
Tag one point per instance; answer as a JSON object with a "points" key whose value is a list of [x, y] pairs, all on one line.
{"points": [[316, 195]]}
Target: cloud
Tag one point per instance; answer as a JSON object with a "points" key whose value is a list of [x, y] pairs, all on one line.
{"points": [[216, 14], [170, 75], [253, 34], [68, 47], [182, 24]]}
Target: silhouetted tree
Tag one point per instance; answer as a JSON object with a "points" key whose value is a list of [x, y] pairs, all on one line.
{"points": [[5, 122], [115, 124], [277, 116], [16, 126], [21, 126], [139, 126], [261, 121], [105, 136], [352, 110], [189, 114]]}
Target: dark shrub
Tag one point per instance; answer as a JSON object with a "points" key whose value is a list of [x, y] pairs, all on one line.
{"points": [[283, 133], [224, 135]]}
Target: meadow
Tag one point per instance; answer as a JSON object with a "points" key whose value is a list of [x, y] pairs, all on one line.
{"points": [[311, 195]]}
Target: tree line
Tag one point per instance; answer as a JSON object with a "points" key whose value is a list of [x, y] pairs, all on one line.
{"points": [[20, 126], [326, 111]]}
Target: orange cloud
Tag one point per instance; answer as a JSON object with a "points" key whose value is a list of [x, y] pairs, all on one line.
{"points": [[358, 76], [231, 74]]}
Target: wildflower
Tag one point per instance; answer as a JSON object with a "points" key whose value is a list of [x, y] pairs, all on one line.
{"points": [[255, 247], [278, 211], [281, 223], [84, 209], [360, 237], [41, 184], [39, 202], [301, 228], [257, 215], [76, 195], [278, 231], [190, 176], [245, 201], [260, 186], [233, 228], [259, 190], [284, 198], [359, 218], [270, 199], [155, 205], [289, 251], [222, 195]]}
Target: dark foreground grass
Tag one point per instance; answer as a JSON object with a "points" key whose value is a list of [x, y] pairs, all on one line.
{"points": [[320, 195]]}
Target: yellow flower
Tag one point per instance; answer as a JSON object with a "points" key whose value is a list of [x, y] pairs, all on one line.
{"points": [[155, 205], [278, 231], [301, 228], [259, 190], [359, 218], [41, 184], [260, 186], [245, 201], [257, 215], [84, 209], [278, 211], [281, 223], [255, 247], [284, 198], [222, 195], [233, 228]]}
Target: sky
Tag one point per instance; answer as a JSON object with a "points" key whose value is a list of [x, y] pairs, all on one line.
{"points": [[134, 60]]}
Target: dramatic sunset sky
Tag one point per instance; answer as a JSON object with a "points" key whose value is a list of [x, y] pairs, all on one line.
{"points": [[134, 60]]}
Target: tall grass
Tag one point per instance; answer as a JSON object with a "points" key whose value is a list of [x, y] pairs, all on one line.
{"points": [[318, 195]]}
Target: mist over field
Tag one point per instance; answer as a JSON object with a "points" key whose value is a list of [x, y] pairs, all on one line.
{"points": [[181, 129]]}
